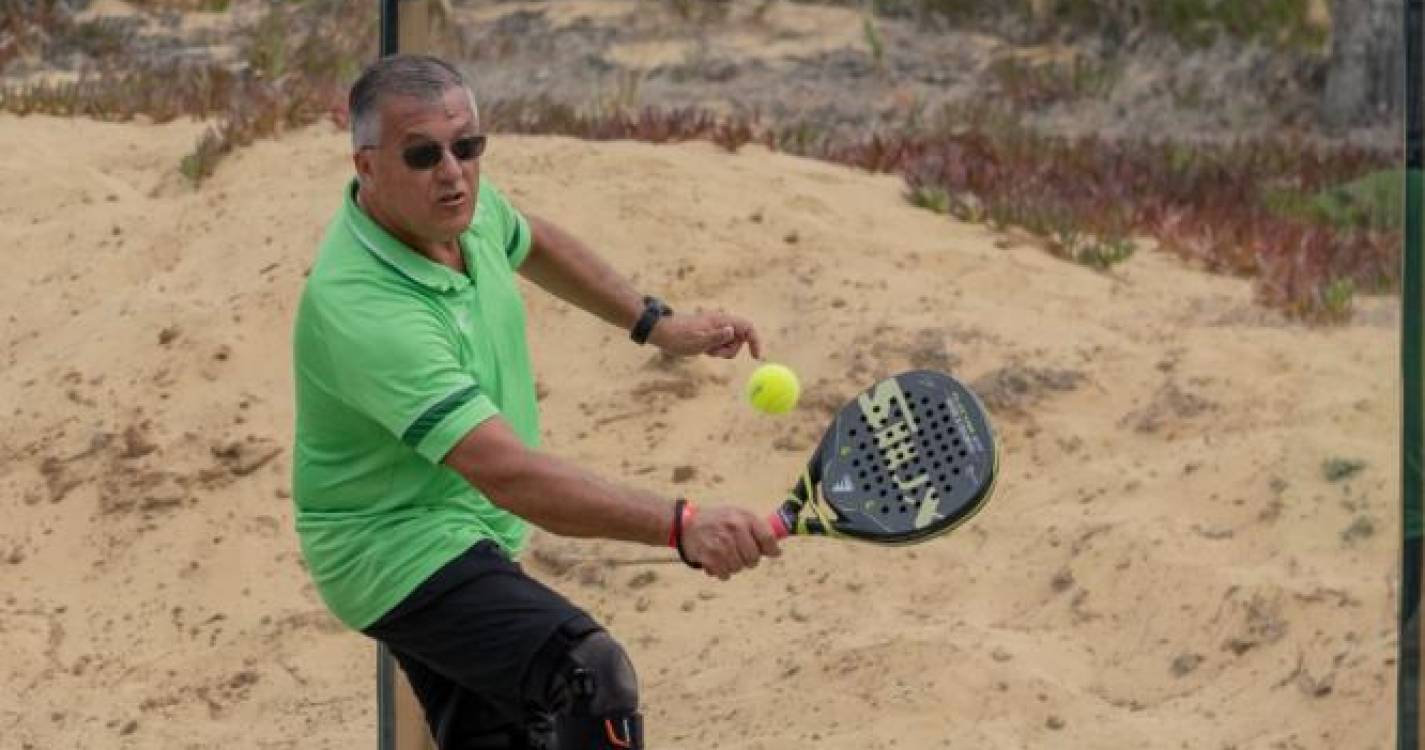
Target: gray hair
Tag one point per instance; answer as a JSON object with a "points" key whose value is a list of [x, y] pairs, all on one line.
{"points": [[420, 76]]}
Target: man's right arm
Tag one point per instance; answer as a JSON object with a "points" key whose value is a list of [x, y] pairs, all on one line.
{"points": [[564, 499]]}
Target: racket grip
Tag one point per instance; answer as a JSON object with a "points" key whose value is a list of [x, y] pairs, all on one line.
{"points": [[779, 525]]}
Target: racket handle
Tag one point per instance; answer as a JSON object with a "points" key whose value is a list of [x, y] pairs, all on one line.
{"points": [[779, 525]]}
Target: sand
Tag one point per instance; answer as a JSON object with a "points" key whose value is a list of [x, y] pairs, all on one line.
{"points": [[1193, 544]]}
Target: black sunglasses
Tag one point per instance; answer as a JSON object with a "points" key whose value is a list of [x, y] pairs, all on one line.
{"points": [[427, 155]]}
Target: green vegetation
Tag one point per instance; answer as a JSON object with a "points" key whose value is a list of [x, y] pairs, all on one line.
{"points": [[1206, 203], [1032, 85], [1337, 299], [295, 67], [1374, 201], [1313, 226], [930, 197], [1094, 252], [874, 42], [1285, 24], [1337, 469], [701, 11]]}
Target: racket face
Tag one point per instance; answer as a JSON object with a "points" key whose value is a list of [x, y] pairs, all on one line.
{"points": [[909, 458]]}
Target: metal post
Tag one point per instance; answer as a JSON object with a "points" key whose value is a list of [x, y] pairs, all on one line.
{"points": [[405, 26], [385, 699], [390, 27], [399, 723], [1408, 694]]}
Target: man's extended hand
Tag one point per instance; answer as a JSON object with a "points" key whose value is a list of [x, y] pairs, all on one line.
{"points": [[716, 334], [726, 539]]}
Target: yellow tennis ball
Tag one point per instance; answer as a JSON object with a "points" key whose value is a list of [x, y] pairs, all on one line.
{"points": [[773, 389]]}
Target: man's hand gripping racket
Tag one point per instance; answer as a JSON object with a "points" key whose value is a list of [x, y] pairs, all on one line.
{"points": [[908, 459]]}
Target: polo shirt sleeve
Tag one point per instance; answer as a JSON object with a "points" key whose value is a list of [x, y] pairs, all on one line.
{"points": [[396, 362], [507, 222]]}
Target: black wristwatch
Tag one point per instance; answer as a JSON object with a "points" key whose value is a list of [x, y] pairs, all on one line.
{"points": [[653, 311]]}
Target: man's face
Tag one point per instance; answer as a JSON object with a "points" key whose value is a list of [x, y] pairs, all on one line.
{"points": [[418, 201]]}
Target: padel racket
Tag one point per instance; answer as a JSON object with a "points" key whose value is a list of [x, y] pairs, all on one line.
{"points": [[908, 459]]}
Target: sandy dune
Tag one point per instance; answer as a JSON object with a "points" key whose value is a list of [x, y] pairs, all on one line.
{"points": [[1193, 545]]}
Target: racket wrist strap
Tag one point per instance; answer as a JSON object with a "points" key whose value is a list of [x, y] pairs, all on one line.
{"points": [[683, 511]]}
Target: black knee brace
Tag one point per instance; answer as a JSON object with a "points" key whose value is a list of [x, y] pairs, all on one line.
{"points": [[596, 694]]}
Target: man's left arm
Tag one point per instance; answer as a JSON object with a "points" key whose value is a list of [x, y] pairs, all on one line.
{"points": [[564, 266]]}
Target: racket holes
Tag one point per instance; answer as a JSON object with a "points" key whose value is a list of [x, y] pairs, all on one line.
{"points": [[865, 487], [885, 509], [964, 453], [955, 471]]}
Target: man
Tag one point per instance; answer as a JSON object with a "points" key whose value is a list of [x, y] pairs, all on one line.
{"points": [[416, 469]]}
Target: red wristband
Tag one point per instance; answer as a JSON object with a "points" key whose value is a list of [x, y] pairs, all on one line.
{"points": [[683, 512]]}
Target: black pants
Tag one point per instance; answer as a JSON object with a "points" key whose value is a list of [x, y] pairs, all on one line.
{"points": [[479, 641]]}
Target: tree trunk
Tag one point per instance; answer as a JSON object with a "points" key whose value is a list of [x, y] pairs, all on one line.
{"points": [[1365, 79]]}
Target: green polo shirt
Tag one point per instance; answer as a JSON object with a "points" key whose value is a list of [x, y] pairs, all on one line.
{"points": [[396, 359]]}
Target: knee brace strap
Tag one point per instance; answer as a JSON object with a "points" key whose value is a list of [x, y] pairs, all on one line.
{"points": [[600, 677]]}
